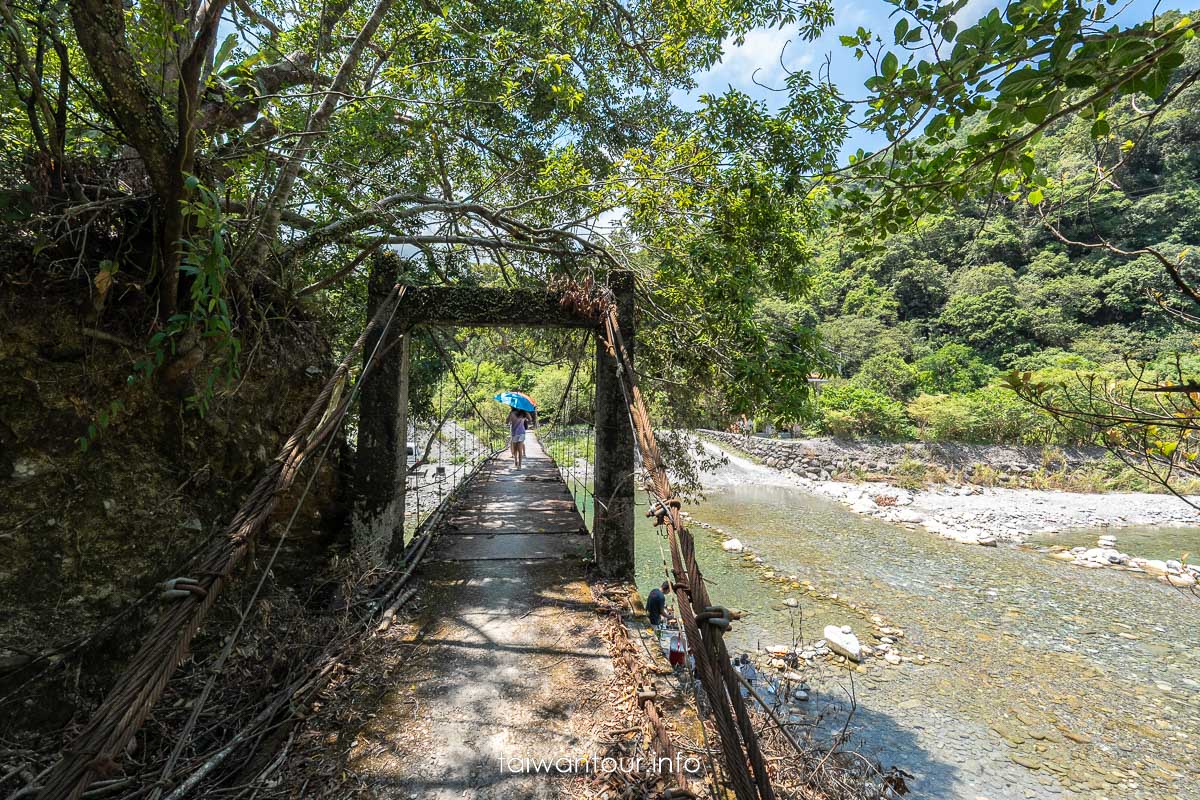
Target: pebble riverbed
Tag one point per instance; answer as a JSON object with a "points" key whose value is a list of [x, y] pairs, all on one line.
{"points": [[1019, 676]]}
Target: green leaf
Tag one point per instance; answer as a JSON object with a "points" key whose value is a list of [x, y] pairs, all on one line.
{"points": [[889, 65], [224, 50], [1036, 197]]}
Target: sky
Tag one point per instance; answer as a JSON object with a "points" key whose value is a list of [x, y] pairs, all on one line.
{"points": [[762, 48]]}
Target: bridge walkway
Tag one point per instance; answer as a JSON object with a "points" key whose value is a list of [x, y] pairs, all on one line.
{"points": [[506, 660]]}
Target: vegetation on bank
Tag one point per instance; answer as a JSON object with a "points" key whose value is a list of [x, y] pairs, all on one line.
{"points": [[921, 333], [1053, 472]]}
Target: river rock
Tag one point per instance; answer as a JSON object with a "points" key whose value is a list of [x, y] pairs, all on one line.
{"points": [[791, 602], [732, 545], [892, 658], [1182, 579], [842, 643], [1027, 761], [864, 506], [28, 468], [1152, 566]]}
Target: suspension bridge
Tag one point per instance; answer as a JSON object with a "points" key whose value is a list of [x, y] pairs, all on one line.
{"points": [[514, 637]]}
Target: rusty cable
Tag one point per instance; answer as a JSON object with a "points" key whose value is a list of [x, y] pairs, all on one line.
{"points": [[330, 423], [144, 680], [739, 742]]}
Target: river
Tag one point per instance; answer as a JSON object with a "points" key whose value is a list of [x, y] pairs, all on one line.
{"points": [[1040, 679]]}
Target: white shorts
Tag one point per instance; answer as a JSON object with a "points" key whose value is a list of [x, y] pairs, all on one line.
{"points": [[518, 438]]}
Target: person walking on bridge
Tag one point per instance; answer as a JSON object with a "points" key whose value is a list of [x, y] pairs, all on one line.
{"points": [[520, 419], [518, 422]]}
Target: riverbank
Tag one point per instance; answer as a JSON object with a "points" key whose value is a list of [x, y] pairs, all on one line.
{"points": [[1017, 678], [956, 509], [915, 465], [972, 514]]}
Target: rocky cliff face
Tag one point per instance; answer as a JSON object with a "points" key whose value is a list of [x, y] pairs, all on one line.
{"points": [[84, 535]]}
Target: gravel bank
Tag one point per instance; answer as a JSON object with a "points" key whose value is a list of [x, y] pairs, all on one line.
{"points": [[978, 515]]}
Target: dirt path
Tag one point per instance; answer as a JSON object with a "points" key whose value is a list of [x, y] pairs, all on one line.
{"points": [[507, 661]]}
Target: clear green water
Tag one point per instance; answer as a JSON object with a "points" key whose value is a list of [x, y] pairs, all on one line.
{"points": [[1016, 641]]}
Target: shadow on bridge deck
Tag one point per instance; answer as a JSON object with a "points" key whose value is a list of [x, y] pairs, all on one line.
{"points": [[507, 660]]}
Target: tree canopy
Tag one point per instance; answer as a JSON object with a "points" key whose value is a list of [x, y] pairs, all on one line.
{"points": [[224, 162]]}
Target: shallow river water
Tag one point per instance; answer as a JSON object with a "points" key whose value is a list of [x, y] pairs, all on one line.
{"points": [[1042, 679]]}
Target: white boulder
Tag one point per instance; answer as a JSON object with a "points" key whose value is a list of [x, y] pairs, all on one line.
{"points": [[843, 643], [1183, 579], [732, 545]]}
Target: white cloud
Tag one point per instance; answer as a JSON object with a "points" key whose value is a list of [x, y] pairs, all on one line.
{"points": [[758, 58], [973, 11]]}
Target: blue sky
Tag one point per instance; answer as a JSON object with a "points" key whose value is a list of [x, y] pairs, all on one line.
{"points": [[762, 49]]}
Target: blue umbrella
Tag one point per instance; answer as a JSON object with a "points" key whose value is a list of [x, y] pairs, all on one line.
{"points": [[516, 400]]}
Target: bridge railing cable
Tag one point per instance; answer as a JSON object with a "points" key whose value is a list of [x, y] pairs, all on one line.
{"points": [[704, 623], [560, 434], [138, 688], [467, 446]]}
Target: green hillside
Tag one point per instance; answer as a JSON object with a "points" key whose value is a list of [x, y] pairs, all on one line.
{"points": [[920, 330]]}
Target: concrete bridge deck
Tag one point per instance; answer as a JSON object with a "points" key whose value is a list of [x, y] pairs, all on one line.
{"points": [[507, 660]]}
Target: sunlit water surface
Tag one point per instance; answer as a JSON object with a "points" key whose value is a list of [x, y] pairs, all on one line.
{"points": [[1044, 679]]}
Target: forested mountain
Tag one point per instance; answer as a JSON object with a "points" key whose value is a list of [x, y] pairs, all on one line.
{"points": [[920, 329]]}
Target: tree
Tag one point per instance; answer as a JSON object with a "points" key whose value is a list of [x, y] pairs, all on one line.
{"points": [[852, 340], [992, 322], [965, 112], [921, 289], [484, 143], [962, 109], [869, 299], [849, 410], [982, 279], [889, 375], [952, 369]]}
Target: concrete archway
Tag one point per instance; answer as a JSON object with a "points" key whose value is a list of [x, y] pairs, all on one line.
{"points": [[381, 463]]}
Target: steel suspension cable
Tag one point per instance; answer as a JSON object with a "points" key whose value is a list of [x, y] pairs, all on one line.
{"points": [[232, 639], [739, 741], [143, 682]]}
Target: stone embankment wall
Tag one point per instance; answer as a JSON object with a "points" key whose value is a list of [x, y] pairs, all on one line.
{"points": [[993, 465]]}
